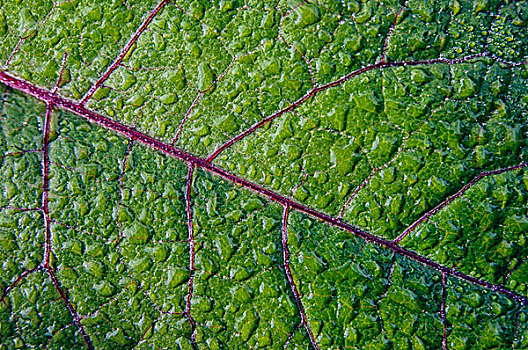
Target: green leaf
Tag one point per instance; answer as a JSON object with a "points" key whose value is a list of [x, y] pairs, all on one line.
{"points": [[264, 174]]}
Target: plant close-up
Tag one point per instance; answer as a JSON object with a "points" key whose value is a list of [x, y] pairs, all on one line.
{"points": [[247, 174]]}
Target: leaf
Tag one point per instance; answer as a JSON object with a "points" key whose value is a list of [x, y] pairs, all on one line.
{"points": [[271, 174]]}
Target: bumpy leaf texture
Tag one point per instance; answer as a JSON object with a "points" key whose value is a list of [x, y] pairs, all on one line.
{"points": [[264, 174]]}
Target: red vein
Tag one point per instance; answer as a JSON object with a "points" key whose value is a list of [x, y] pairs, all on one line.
{"points": [[281, 37], [286, 266], [72, 310], [315, 91], [145, 333], [290, 337], [356, 191], [45, 185], [513, 269], [517, 327], [389, 34], [97, 312], [80, 110], [189, 111], [120, 201], [391, 272], [455, 196], [191, 257], [384, 295], [138, 285], [443, 311], [305, 176], [367, 179], [19, 278], [18, 332], [91, 233], [10, 154], [59, 81], [47, 245], [506, 62], [50, 339], [123, 53], [47, 221], [17, 46], [20, 209], [492, 23]]}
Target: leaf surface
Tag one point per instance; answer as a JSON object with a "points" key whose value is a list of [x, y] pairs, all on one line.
{"points": [[264, 174]]}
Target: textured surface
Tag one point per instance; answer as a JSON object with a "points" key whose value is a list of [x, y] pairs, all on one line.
{"points": [[264, 174]]}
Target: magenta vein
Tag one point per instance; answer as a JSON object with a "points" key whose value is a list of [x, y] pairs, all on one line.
{"points": [[286, 265], [356, 191], [517, 328], [315, 91], [513, 269], [61, 75], [50, 339], [389, 34], [370, 176], [17, 46], [443, 311], [384, 295], [20, 209], [281, 37], [290, 336], [455, 196], [120, 201], [47, 245], [19, 278], [191, 256], [80, 110], [72, 310], [189, 111], [124, 52], [45, 184]]}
